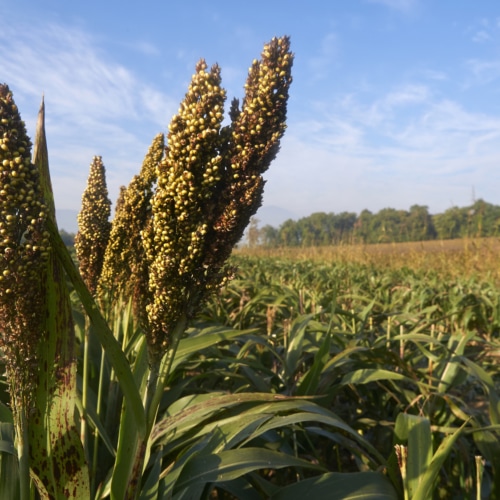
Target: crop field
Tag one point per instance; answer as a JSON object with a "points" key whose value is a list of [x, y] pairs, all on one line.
{"points": [[448, 257], [399, 341], [157, 362]]}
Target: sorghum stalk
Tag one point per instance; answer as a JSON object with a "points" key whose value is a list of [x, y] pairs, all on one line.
{"points": [[188, 180], [23, 256], [209, 185], [35, 316], [254, 142], [24, 249], [90, 245]]}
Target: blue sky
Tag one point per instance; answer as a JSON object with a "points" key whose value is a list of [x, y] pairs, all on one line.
{"points": [[393, 103]]}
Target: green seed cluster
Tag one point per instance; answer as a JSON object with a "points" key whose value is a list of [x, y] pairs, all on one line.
{"points": [[124, 273], [209, 185], [256, 134], [24, 244], [188, 180], [179, 219], [93, 225]]}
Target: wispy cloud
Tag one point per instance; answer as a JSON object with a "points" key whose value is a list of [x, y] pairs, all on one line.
{"points": [[481, 36], [484, 30], [484, 71], [66, 63], [403, 147], [320, 65], [93, 103], [145, 48]]}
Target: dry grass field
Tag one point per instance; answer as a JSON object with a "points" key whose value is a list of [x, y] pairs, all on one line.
{"points": [[464, 257]]}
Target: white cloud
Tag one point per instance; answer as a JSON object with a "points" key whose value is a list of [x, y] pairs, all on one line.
{"points": [[432, 74], [146, 48], [484, 71], [481, 36], [483, 30], [407, 146], [92, 105]]}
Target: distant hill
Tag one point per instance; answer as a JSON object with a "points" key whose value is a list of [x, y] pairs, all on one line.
{"points": [[273, 216], [66, 219]]}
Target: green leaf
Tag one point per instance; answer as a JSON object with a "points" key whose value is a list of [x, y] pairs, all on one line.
{"points": [[9, 468], [5, 414], [415, 432], [231, 464], [489, 385], [131, 445], [294, 350], [150, 489], [366, 375], [338, 486], [57, 459], [426, 483], [192, 410], [452, 365], [205, 338], [310, 381], [110, 344]]}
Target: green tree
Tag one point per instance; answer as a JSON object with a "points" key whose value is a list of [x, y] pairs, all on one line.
{"points": [[451, 224], [389, 225], [269, 236], [290, 234], [420, 226], [343, 225], [363, 227]]}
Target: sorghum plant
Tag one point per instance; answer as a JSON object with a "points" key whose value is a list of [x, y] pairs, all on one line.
{"points": [[23, 252], [93, 225], [174, 229], [123, 274], [36, 331], [209, 186]]}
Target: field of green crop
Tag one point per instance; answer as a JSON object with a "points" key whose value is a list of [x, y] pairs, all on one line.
{"points": [[406, 354]]}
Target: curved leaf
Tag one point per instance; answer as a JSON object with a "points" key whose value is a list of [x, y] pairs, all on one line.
{"points": [[338, 486], [231, 464]]}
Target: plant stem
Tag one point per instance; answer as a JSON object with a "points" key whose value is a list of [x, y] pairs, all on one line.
{"points": [[479, 475], [110, 344], [156, 389], [85, 375], [93, 476], [23, 453]]}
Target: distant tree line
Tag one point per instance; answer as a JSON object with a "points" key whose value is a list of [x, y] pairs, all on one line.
{"points": [[386, 226]]}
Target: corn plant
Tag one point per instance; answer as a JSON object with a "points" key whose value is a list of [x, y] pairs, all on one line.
{"points": [[394, 353]]}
